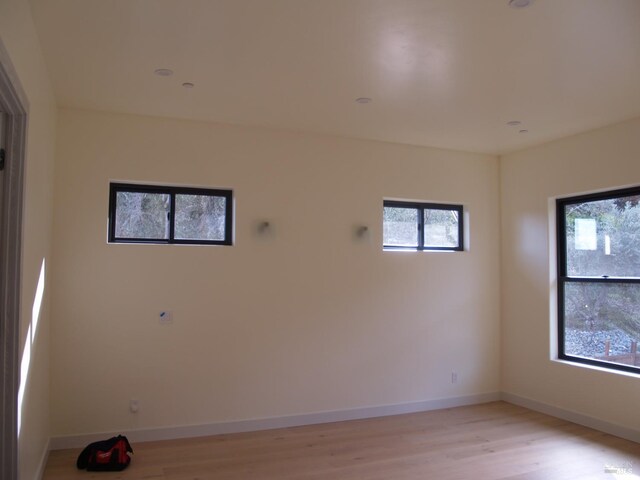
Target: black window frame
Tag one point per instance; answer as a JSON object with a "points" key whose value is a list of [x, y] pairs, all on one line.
{"points": [[172, 191], [421, 207], [563, 278]]}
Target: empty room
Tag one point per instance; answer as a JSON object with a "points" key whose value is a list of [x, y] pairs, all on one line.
{"points": [[320, 239]]}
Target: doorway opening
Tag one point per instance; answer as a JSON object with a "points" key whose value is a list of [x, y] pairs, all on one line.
{"points": [[13, 122]]}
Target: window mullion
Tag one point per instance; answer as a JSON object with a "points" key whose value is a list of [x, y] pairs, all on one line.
{"points": [[421, 228], [172, 216]]}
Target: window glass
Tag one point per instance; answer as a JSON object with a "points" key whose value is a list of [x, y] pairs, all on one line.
{"points": [[400, 227], [440, 228], [599, 279], [601, 321], [166, 214], [200, 217], [422, 226], [142, 215], [603, 237]]}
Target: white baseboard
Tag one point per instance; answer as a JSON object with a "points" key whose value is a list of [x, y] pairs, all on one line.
{"points": [[168, 433], [585, 420]]}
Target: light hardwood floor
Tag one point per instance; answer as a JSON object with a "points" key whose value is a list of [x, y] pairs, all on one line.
{"points": [[490, 441]]}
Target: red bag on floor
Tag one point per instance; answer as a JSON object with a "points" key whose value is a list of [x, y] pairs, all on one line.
{"points": [[107, 455]]}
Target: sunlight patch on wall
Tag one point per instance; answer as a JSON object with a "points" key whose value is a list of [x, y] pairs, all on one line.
{"points": [[25, 363], [24, 375], [37, 302]]}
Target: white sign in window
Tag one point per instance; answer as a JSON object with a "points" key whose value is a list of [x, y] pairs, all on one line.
{"points": [[586, 234]]}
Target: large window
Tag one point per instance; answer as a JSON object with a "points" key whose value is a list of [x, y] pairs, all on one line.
{"points": [[422, 226], [599, 279], [158, 214]]}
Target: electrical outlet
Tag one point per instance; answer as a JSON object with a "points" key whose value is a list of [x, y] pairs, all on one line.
{"points": [[134, 405], [454, 377]]}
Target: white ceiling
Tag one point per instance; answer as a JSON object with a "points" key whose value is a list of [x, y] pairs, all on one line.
{"points": [[443, 73]]}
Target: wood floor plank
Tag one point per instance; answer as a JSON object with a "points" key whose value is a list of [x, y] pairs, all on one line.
{"points": [[493, 441]]}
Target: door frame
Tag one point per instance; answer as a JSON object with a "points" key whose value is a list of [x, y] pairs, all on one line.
{"points": [[14, 104]]}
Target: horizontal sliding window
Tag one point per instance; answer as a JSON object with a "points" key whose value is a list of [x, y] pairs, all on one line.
{"points": [[422, 226], [164, 214], [599, 279]]}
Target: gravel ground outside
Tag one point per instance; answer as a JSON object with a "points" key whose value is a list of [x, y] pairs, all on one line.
{"points": [[591, 344]]}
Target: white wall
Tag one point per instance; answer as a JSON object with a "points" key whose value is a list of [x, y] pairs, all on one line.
{"points": [[20, 40], [598, 160], [305, 320]]}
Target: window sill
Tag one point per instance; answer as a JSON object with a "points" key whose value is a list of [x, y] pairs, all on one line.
{"points": [[596, 368], [400, 249]]}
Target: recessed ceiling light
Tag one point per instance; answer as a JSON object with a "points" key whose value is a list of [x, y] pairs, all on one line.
{"points": [[163, 72], [514, 123], [364, 100], [188, 85], [524, 131], [520, 3]]}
